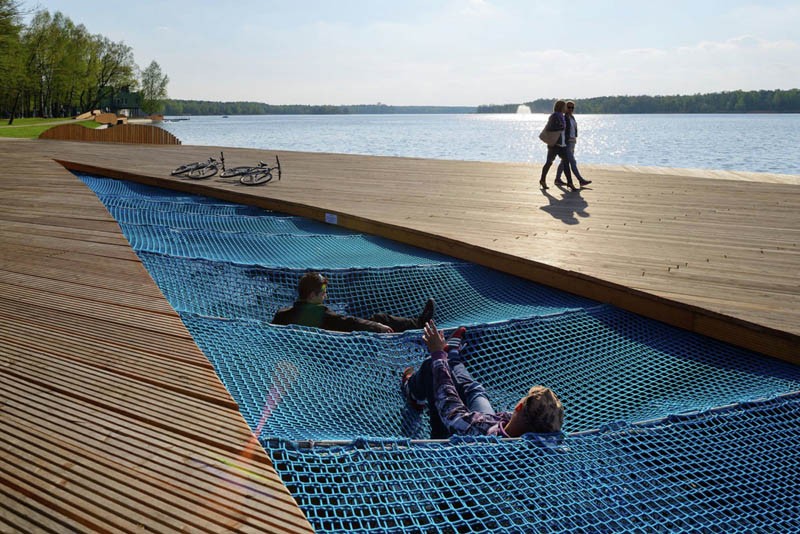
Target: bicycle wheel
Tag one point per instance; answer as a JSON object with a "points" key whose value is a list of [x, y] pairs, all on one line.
{"points": [[203, 172], [256, 178], [236, 171], [185, 168]]}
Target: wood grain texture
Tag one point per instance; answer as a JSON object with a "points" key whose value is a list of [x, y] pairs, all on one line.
{"points": [[713, 252], [121, 133], [111, 419]]}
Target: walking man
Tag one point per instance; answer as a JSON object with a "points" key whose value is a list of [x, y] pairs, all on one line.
{"points": [[571, 133]]}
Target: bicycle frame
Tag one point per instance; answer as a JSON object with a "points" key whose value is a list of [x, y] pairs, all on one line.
{"points": [[199, 170]]}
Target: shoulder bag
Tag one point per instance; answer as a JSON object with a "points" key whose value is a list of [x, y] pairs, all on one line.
{"points": [[549, 137]]}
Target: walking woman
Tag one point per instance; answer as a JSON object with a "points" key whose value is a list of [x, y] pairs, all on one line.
{"points": [[557, 122]]}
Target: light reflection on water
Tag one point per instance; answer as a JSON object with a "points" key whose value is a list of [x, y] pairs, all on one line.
{"points": [[753, 142]]}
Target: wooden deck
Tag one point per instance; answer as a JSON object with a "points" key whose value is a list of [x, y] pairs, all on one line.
{"points": [[712, 252], [112, 419]]}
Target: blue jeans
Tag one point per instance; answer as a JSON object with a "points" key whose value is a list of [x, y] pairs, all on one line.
{"points": [[471, 392], [572, 163]]}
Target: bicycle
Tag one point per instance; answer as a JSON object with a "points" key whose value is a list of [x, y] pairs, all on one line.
{"points": [[201, 169], [249, 175]]}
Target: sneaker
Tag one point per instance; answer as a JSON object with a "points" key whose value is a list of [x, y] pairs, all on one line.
{"points": [[426, 315], [456, 339], [410, 400]]}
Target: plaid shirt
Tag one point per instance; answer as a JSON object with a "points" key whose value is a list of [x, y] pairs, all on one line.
{"points": [[454, 414]]}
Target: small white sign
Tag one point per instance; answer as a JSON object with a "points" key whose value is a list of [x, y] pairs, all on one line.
{"points": [[331, 218]]}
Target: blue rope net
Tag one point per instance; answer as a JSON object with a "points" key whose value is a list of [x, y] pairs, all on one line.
{"points": [[226, 222], [295, 251], [179, 206], [465, 293], [322, 404], [664, 430], [732, 469]]}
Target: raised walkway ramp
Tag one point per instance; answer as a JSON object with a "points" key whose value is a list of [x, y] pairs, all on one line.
{"points": [[712, 252]]}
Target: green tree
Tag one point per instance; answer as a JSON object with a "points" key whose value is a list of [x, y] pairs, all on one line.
{"points": [[47, 41], [115, 69], [154, 88], [11, 67], [68, 70]]}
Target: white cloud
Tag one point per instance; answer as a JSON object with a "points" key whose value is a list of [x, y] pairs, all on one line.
{"points": [[477, 8], [455, 51]]}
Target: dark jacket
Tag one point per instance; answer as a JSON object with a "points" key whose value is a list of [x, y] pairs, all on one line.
{"points": [[320, 316], [555, 122]]}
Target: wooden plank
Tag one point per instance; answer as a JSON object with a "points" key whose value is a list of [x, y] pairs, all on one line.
{"points": [[179, 350], [139, 364], [114, 489], [19, 513], [189, 416], [112, 312], [156, 454], [151, 303], [67, 233], [112, 419], [145, 477], [60, 270], [86, 269], [119, 250]]}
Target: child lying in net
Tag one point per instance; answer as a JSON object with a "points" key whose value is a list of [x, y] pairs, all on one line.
{"points": [[459, 405], [309, 310]]}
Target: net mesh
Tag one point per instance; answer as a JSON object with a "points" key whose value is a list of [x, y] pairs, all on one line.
{"points": [[464, 293], [664, 430], [345, 386], [733, 469], [295, 251], [225, 222]]}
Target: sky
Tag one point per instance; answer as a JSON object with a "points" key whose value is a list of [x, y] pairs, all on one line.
{"points": [[450, 52]]}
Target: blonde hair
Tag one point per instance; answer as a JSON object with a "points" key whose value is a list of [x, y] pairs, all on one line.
{"points": [[543, 411]]}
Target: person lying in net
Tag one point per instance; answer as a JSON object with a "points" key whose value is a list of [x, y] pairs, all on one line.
{"points": [[309, 310], [458, 404]]}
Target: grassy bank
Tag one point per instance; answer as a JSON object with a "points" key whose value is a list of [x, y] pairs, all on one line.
{"points": [[32, 128]]}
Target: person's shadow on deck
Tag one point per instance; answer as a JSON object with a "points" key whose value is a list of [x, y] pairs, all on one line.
{"points": [[568, 208]]}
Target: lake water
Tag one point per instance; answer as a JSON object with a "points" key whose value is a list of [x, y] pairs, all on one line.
{"points": [[752, 142]]}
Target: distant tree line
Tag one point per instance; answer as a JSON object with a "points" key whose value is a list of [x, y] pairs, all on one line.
{"points": [[777, 101], [206, 107], [53, 67]]}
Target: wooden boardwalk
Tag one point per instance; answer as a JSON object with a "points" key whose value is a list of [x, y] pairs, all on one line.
{"points": [[712, 252], [112, 419]]}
